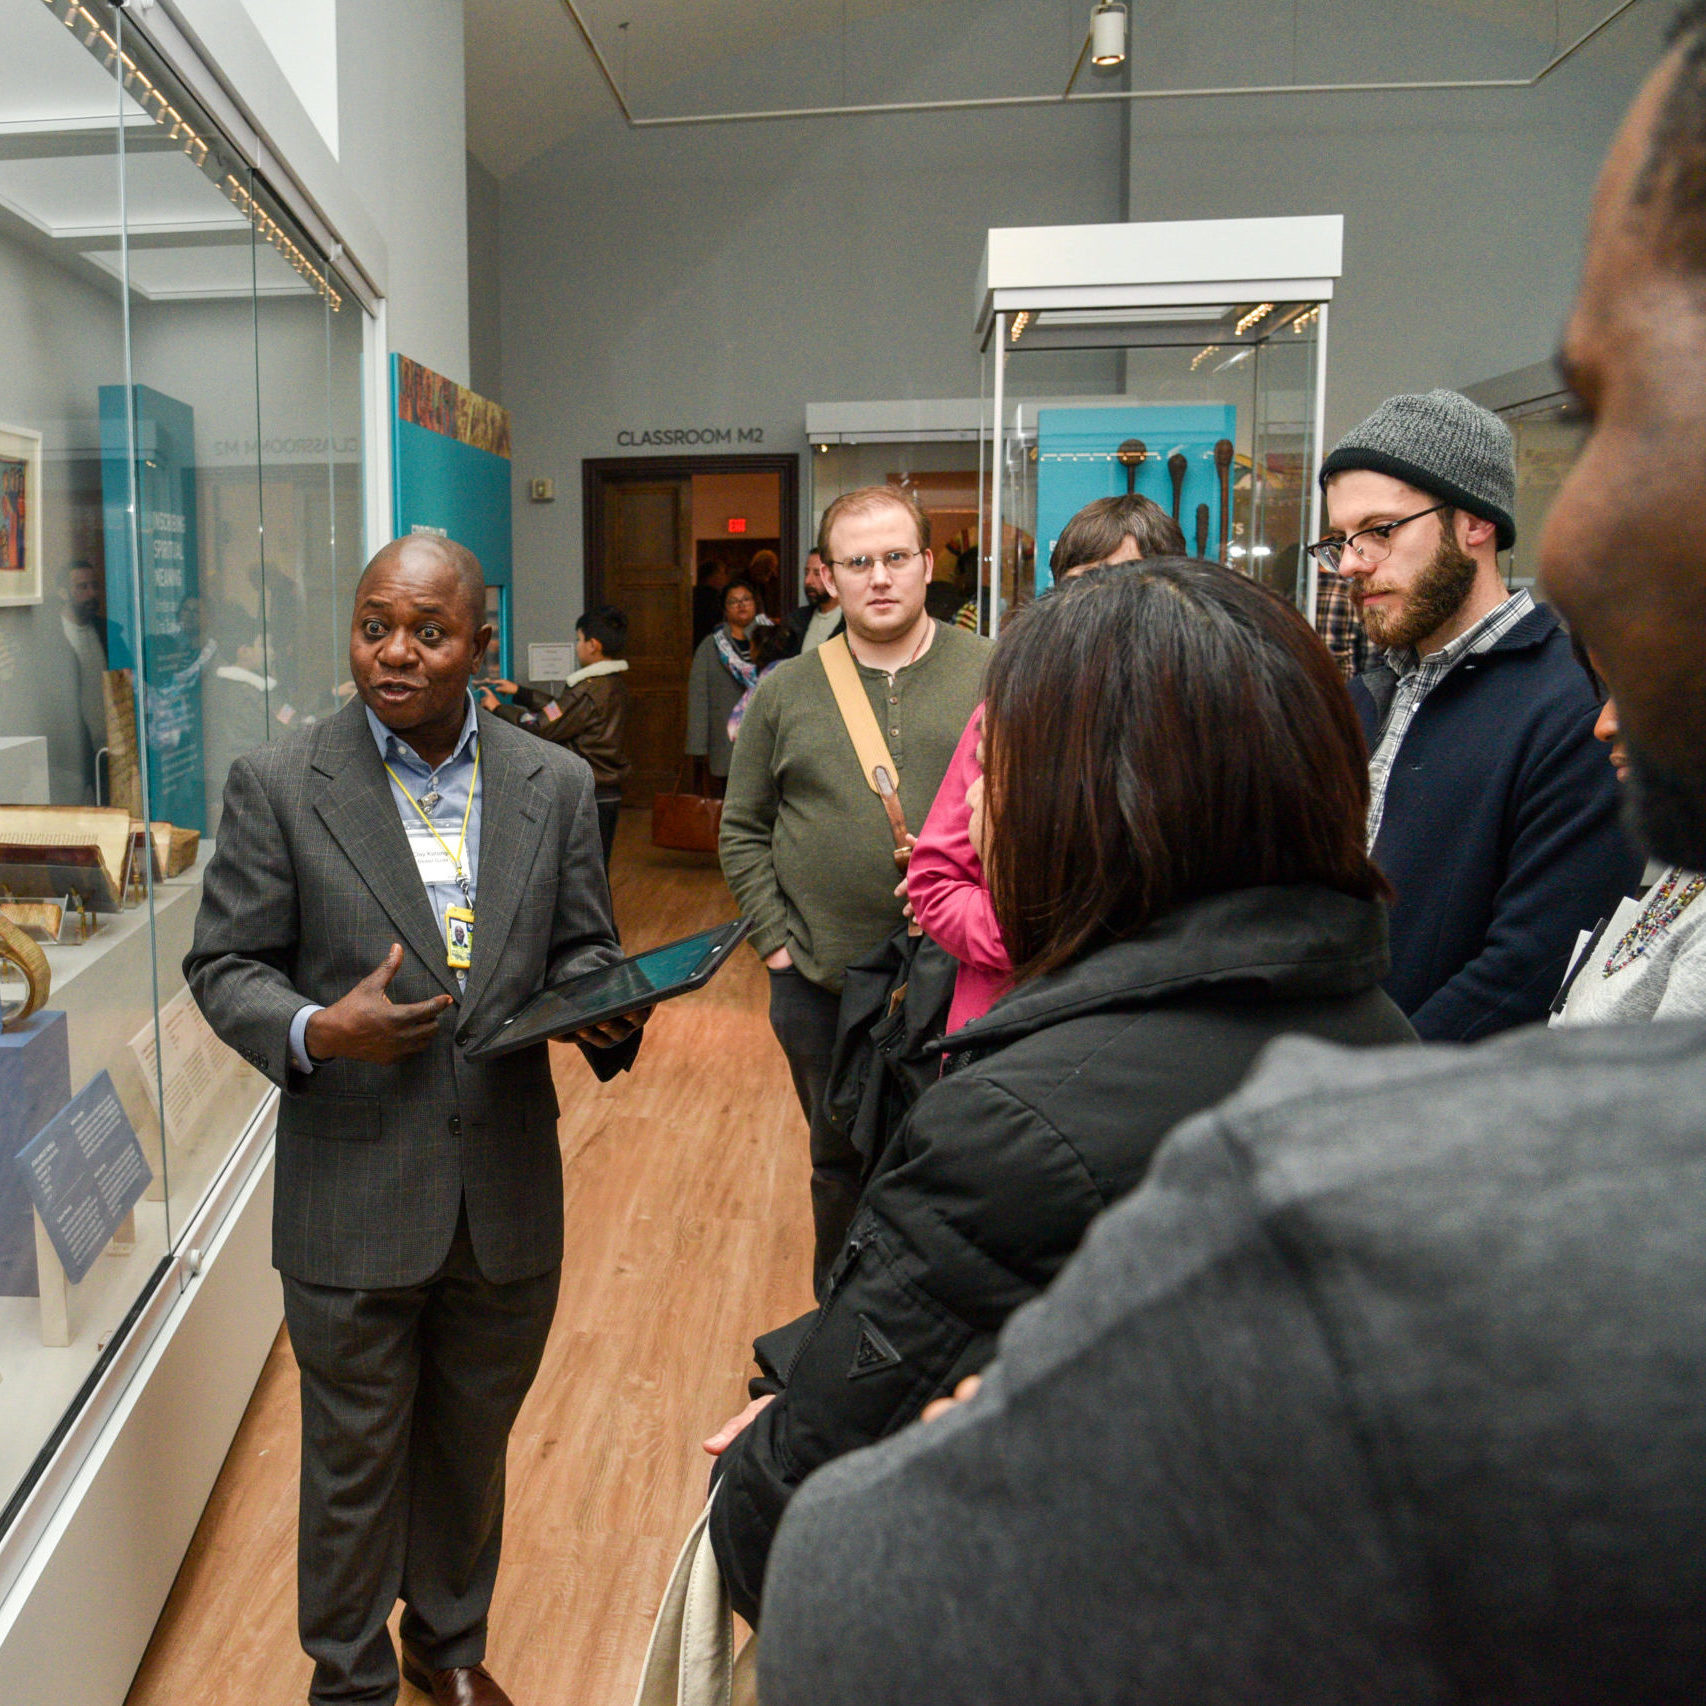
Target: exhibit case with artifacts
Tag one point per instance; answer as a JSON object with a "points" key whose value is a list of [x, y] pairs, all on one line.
{"points": [[1183, 361], [182, 520]]}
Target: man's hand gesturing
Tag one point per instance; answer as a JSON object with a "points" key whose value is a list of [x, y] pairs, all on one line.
{"points": [[367, 1025]]}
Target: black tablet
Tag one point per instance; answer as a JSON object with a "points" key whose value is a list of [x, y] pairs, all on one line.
{"points": [[610, 991]]}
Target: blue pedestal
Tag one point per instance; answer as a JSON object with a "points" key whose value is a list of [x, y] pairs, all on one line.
{"points": [[35, 1084]]}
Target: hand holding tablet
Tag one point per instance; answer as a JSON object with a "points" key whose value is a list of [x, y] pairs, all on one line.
{"points": [[604, 1006]]}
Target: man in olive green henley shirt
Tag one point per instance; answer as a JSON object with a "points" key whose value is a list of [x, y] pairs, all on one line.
{"points": [[806, 845]]}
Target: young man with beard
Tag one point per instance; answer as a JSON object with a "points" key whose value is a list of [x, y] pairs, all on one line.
{"points": [[1385, 1385], [1490, 806], [819, 617]]}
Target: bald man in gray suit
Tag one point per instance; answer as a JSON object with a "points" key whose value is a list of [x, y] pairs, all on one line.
{"points": [[388, 887]]}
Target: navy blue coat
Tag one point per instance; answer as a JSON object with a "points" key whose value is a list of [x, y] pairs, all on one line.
{"points": [[1501, 833]]}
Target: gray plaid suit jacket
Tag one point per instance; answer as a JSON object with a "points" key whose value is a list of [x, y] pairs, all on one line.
{"points": [[310, 883]]}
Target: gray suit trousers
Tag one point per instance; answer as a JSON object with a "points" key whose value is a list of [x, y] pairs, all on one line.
{"points": [[408, 1397]]}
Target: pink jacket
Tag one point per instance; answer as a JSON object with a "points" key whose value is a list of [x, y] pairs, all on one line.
{"points": [[945, 884]]}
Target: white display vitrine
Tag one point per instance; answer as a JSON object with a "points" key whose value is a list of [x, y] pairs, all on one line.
{"points": [[929, 447], [1184, 361], [180, 524]]}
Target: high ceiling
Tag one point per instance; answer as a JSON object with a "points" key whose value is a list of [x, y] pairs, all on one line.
{"points": [[533, 82]]}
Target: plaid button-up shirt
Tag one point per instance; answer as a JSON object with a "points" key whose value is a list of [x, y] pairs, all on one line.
{"points": [[1417, 678], [1337, 622]]}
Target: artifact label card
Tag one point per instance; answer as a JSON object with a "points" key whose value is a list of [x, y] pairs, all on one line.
{"points": [[195, 1068], [85, 1172]]}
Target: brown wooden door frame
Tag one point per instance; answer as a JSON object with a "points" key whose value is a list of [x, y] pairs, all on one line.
{"points": [[597, 471]]}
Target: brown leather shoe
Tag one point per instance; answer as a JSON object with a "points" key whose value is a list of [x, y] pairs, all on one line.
{"points": [[460, 1685]]}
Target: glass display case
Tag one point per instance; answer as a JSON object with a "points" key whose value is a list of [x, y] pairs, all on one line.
{"points": [[180, 528], [1185, 362], [930, 448], [1549, 430]]}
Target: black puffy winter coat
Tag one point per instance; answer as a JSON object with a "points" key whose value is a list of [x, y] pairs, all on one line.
{"points": [[1052, 1107]]}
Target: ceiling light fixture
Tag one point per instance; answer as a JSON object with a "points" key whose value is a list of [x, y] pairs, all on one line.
{"points": [[1258, 313], [1020, 321], [1108, 34], [195, 148]]}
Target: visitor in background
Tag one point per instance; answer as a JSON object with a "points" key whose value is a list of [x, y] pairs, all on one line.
{"points": [[722, 671], [590, 714], [708, 597], [1491, 807], [1339, 625], [1648, 959], [1170, 914], [765, 574], [83, 622], [807, 847], [820, 616], [944, 882], [768, 647]]}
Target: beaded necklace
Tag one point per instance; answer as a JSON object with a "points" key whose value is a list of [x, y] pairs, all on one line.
{"points": [[1657, 916]]}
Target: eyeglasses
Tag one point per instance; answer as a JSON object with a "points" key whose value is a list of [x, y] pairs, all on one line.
{"points": [[1372, 544], [893, 561]]}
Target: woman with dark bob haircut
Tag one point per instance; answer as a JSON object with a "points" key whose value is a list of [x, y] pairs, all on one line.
{"points": [[1173, 831]]}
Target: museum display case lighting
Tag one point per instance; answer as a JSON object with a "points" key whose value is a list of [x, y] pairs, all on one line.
{"points": [[1183, 361]]}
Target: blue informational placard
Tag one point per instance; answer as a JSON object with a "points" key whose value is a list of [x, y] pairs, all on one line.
{"points": [[161, 642], [35, 1083], [1076, 463], [85, 1172]]}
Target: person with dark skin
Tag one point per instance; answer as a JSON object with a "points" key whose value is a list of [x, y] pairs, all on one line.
{"points": [[1385, 1385], [418, 1201]]}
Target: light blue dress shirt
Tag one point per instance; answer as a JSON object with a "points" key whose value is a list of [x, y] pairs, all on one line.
{"points": [[451, 781]]}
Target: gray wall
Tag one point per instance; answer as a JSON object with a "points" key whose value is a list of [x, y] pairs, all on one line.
{"points": [[485, 320], [402, 147], [726, 276], [1464, 212], [729, 276]]}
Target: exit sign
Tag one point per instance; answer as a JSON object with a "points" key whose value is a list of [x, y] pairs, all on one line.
{"points": [[737, 524]]}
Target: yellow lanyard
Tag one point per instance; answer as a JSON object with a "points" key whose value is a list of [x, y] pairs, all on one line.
{"points": [[461, 840]]}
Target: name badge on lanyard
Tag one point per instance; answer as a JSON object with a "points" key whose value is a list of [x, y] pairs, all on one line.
{"points": [[432, 858], [438, 863], [459, 937]]}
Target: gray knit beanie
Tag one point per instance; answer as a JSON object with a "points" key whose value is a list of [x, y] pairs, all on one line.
{"points": [[1444, 444]]}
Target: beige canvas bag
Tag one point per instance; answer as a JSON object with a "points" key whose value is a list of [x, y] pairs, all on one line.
{"points": [[690, 1659]]}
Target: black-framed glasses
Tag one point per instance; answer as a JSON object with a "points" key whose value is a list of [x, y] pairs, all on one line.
{"points": [[893, 561], [1372, 544]]}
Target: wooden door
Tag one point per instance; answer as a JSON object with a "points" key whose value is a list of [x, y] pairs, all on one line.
{"points": [[646, 573]]}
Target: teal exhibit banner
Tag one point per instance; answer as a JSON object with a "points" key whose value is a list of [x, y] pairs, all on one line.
{"points": [[450, 465], [150, 460]]}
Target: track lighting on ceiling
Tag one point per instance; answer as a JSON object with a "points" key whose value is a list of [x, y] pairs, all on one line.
{"points": [[1108, 34]]}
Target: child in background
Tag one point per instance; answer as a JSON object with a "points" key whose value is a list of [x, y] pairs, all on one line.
{"points": [[590, 715]]}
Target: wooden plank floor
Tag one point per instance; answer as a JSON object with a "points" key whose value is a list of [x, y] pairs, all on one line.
{"points": [[688, 1231]]}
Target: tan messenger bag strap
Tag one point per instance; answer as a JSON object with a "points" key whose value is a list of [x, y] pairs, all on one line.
{"points": [[860, 721]]}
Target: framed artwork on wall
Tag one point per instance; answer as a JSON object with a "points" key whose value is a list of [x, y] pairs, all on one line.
{"points": [[20, 516]]}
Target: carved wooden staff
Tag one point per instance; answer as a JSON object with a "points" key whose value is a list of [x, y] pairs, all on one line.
{"points": [[1130, 457], [1202, 530], [1176, 466], [1223, 467]]}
